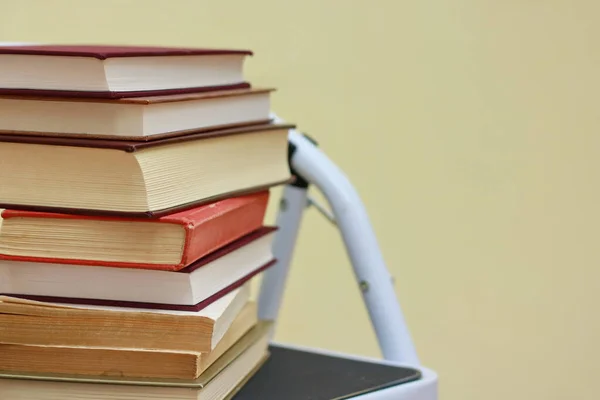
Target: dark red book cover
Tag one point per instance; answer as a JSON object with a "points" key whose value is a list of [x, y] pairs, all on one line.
{"points": [[131, 146], [103, 52], [148, 306], [120, 95]]}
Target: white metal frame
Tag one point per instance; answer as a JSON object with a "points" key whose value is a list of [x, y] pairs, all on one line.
{"points": [[310, 164]]}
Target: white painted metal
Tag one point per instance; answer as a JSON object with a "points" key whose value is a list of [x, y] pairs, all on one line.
{"points": [[291, 207], [360, 242]]}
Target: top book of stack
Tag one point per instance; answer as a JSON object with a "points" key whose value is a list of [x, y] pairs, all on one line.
{"points": [[118, 71], [125, 92]]}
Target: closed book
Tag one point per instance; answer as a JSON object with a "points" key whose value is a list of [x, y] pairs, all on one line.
{"points": [[220, 381], [140, 178], [123, 362], [139, 118], [118, 71], [168, 243], [190, 289], [55, 324]]}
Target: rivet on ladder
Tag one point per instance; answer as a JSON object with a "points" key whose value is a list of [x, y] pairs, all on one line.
{"points": [[283, 204], [364, 286]]}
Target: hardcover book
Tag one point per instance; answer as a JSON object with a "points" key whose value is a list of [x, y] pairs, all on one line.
{"points": [[171, 242], [140, 179], [141, 118], [220, 381], [123, 362], [51, 324], [118, 71], [189, 289]]}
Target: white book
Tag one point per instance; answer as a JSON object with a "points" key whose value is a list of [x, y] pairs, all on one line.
{"points": [[189, 286], [138, 118], [117, 70]]}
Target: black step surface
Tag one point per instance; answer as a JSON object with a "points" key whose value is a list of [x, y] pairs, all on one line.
{"points": [[291, 374]]}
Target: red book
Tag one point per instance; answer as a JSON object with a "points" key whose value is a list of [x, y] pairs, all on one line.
{"points": [[118, 71], [167, 243]]}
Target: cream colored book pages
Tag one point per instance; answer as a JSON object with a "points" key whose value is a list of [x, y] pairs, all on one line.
{"points": [[217, 383], [148, 180], [124, 362], [32, 307], [136, 285], [40, 116], [240, 162], [119, 74], [85, 239], [222, 387], [26, 322], [243, 322], [133, 118]]}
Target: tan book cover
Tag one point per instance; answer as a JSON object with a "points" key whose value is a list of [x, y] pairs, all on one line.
{"points": [[220, 381], [259, 333], [123, 362], [49, 324]]}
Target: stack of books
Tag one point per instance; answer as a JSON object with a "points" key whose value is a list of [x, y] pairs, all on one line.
{"points": [[134, 186]]}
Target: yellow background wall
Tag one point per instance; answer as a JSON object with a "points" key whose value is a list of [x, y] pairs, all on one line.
{"points": [[470, 129]]}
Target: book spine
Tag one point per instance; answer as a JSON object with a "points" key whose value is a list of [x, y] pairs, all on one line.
{"points": [[215, 233]]}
